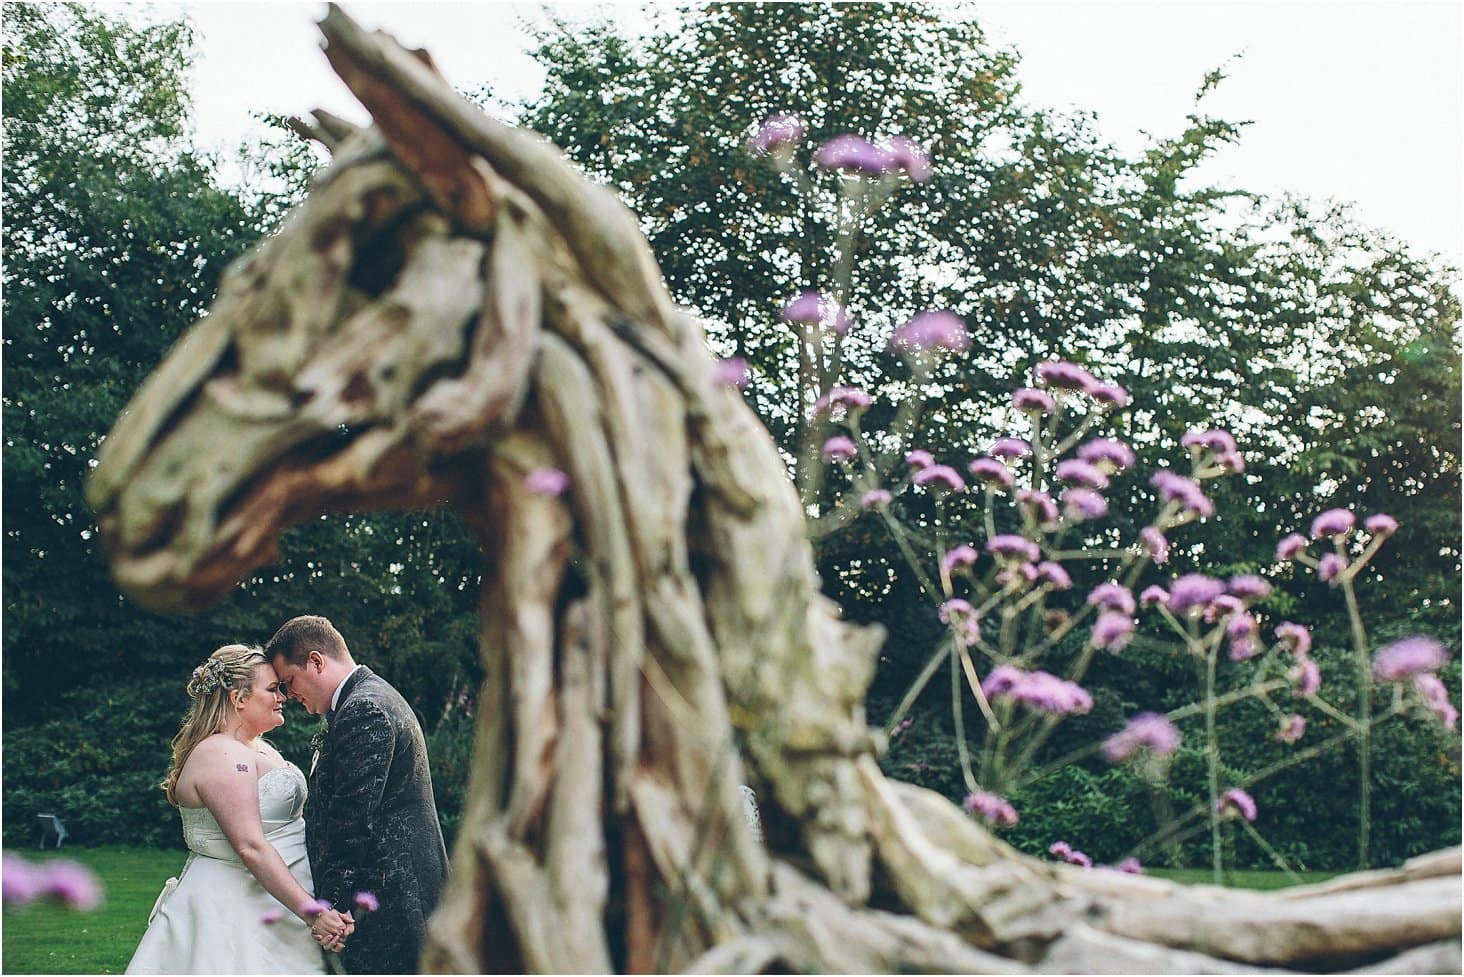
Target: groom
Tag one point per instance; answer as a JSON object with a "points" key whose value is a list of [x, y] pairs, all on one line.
{"points": [[370, 821]]}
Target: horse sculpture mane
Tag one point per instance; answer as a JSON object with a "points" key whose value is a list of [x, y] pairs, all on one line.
{"points": [[453, 307]]}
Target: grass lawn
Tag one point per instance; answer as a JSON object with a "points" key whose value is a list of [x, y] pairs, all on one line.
{"points": [[47, 939], [44, 938]]}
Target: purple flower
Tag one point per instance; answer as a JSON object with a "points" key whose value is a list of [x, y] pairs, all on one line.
{"points": [[875, 497], [1216, 441], [1154, 594], [991, 807], [1040, 505], [955, 609], [1012, 546], [960, 616], [1075, 471], [1436, 697], [1130, 866], [1223, 606], [960, 556], [732, 372], [919, 458], [1062, 375], [1186, 491], [1112, 596], [314, 907], [931, 330], [1069, 854], [1112, 631], [805, 307], [1110, 394], [1295, 636], [1106, 452], [851, 152], [910, 157], [20, 881], [1407, 657], [1231, 461], [1248, 586], [1292, 728], [366, 902], [1244, 634], [1029, 398], [1017, 572], [1330, 566], [1193, 592], [1011, 448], [271, 916], [1238, 802], [813, 308], [1054, 574], [942, 476], [1037, 690], [1147, 730], [1290, 546], [992, 471], [1306, 678], [776, 132], [839, 448], [1333, 522], [845, 398], [1380, 524], [1081, 503], [546, 481], [72, 883], [1156, 543]]}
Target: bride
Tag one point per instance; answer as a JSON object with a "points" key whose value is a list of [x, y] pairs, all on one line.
{"points": [[243, 902]]}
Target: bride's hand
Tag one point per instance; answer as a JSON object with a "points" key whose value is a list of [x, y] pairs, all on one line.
{"points": [[330, 929]]}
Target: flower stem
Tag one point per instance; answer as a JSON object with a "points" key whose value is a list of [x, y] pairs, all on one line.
{"points": [[1364, 723], [1212, 758]]}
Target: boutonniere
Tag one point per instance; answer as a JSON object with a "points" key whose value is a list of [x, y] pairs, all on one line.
{"points": [[317, 740]]}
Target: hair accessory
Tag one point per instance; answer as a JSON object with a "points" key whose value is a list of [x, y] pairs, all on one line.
{"points": [[210, 676]]}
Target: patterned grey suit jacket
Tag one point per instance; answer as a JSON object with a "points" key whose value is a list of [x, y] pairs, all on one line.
{"points": [[371, 824]]}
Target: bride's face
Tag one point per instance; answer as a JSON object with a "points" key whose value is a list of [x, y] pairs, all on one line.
{"points": [[264, 708]]}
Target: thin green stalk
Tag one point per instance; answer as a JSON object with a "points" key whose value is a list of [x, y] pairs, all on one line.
{"points": [[1212, 760], [1364, 718], [1265, 846]]}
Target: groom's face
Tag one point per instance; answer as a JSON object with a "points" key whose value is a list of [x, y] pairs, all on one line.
{"points": [[304, 682]]}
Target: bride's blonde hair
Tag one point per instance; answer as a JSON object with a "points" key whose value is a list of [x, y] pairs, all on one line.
{"points": [[228, 669]]}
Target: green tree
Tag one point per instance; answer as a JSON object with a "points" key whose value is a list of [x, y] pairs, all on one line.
{"points": [[115, 231]]}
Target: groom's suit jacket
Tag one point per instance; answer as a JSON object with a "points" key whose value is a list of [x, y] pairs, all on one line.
{"points": [[371, 824]]}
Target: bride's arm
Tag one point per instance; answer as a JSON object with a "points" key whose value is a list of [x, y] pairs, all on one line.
{"points": [[229, 786]]}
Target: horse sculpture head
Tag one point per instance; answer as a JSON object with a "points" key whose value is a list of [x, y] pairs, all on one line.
{"points": [[357, 358]]}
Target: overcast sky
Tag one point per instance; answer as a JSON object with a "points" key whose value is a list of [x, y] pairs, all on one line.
{"points": [[1360, 102]]}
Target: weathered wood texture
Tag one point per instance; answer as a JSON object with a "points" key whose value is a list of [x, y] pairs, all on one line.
{"points": [[455, 306]]}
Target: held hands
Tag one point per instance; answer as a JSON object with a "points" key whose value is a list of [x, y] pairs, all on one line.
{"points": [[330, 928]]}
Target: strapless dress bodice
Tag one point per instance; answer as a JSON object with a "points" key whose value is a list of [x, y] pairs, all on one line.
{"points": [[281, 802]]}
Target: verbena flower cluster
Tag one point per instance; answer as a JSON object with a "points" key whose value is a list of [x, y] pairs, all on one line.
{"points": [[1043, 491]]}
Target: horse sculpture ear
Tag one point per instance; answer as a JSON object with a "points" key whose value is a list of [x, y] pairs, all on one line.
{"points": [[457, 180]]}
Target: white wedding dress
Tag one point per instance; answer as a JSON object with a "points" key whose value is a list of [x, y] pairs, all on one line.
{"points": [[209, 919]]}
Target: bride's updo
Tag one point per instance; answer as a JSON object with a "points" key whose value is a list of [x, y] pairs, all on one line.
{"points": [[229, 669]]}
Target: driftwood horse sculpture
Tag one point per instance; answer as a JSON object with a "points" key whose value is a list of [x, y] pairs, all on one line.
{"points": [[453, 307]]}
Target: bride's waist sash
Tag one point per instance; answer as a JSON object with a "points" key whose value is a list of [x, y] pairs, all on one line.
{"points": [[287, 837]]}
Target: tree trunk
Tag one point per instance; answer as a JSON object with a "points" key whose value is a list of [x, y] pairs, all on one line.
{"points": [[454, 307]]}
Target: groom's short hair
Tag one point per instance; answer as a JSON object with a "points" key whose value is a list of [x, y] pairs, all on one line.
{"points": [[299, 636]]}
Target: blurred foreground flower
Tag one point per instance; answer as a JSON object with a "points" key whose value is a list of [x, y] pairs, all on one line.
{"points": [[66, 881]]}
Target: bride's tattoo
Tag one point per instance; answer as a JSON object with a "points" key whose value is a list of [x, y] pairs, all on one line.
{"points": [[242, 767]]}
